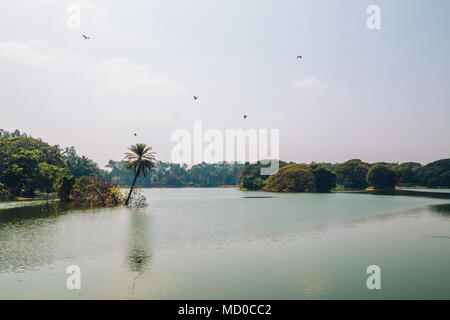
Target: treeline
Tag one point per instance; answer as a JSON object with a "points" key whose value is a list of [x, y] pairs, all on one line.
{"points": [[350, 175], [28, 165], [166, 174]]}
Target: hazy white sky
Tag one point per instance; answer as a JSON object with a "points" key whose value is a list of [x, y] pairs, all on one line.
{"points": [[377, 95]]}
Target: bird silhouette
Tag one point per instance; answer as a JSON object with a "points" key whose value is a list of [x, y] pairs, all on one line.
{"points": [[135, 135], [245, 116], [195, 97], [85, 37], [299, 57]]}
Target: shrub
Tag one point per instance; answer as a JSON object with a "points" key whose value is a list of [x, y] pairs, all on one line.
{"points": [[115, 197]]}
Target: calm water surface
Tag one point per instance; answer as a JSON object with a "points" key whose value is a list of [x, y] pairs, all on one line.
{"points": [[225, 243]]}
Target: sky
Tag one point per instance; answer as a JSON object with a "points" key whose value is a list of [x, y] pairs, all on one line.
{"points": [[376, 95]]}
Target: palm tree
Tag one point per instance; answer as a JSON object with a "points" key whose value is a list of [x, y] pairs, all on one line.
{"points": [[140, 160]]}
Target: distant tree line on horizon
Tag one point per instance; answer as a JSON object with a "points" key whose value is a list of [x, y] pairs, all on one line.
{"points": [[353, 174], [28, 165]]}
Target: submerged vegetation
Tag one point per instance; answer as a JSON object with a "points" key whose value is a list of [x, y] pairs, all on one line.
{"points": [[89, 190], [29, 165]]}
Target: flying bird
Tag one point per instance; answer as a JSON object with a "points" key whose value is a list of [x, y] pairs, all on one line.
{"points": [[85, 37], [245, 116], [135, 135], [299, 57], [195, 97]]}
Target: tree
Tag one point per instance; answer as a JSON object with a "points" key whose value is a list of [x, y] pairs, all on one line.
{"points": [[291, 178], [435, 174], [140, 160], [408, 172], [324, 179], [352, 174], [66, 184], [381, 176], [48, 176], [27, 164], [250, 175], [4, 134], [82, 166]]}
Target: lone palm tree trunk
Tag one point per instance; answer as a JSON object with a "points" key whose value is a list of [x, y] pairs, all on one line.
{"points": [[131, 190]]}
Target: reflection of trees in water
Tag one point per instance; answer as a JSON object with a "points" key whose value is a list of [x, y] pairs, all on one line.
{"points": [[139, 255], [138, 259], [441, 209]]}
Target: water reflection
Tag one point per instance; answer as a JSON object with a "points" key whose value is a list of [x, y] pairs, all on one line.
{"points": [[441, 209], [187, 243], [423, 194], [20, 211], [139, 253]]}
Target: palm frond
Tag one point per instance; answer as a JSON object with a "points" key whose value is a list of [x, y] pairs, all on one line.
{"points": [[140, 159]]}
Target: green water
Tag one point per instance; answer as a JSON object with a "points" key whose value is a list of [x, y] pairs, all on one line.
{"points": [[225, 244]]}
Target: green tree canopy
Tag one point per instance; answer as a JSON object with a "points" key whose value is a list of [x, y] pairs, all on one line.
{"points": [[324, 179], [352, 174], [435, 174], [408, 172], [380, 176], [28, 164], [291, 178], [250, 175], [301, 178]]}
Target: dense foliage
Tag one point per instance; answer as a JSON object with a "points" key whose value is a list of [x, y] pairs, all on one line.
{"points": [[408, 172], [28, 164], [90, 190], [291, 178], [435, 174], [4, 193], [380, 176], [82, 166], [324, 178], [352, 174], [251, 178], [301, 178], [166, 174]]}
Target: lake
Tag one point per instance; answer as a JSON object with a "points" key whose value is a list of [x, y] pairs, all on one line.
{"points": [[224, 243]]}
